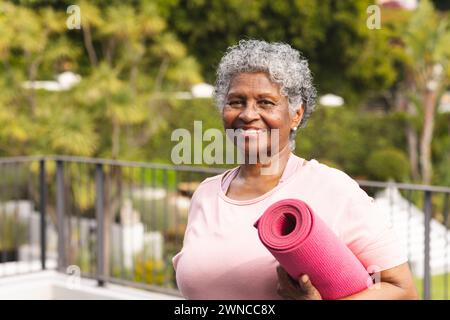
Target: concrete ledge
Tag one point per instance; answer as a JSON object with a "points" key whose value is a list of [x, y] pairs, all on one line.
{"points": [[51, 285]]}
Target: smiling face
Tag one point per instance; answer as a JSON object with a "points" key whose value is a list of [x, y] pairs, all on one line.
{"points": [[254, 106]]}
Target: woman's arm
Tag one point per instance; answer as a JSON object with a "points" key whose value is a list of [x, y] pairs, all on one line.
{"points": [[394, 284]]}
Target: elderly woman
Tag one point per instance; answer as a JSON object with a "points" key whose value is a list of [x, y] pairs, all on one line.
{"points": [[264, 88]]}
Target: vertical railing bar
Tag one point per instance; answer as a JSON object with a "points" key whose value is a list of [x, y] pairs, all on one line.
{"points": [[60, 214], [71, 211], [92, 227], [2, 218], [446, 273], [90, 186], [427, 222], [124, 222], [3, 242], [43, 212], [120, 189], [79, 183], [79, 186], [176, 219], [132, 225], [30, 216], [154, 223], [111, 214], [99, 213], [176, 211], [408, 238], [70, 206], [15, 208], [144, 223], [165, 220]]}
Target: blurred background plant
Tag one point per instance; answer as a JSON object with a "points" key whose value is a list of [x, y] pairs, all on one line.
{"points": [[150, 271], [132, 57], [13, 233]]}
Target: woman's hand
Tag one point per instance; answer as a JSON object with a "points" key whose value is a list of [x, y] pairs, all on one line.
{"points": [[395, 284], [302, 289]]}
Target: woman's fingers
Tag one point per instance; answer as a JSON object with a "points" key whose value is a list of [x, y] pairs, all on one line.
{"points": [[287, 285], [301, 290], [311, 293], [305, 284], [282, 293]]}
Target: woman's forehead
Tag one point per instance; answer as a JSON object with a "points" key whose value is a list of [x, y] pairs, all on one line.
{"points": [[256, 82]]}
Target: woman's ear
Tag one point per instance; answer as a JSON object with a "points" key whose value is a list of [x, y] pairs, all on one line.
{"points": [[297, 118]]}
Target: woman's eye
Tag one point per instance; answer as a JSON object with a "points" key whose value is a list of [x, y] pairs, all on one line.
{"points": [[266, 103], [236, 103]]}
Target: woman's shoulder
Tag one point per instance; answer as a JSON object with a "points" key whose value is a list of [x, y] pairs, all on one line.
{"points": [[210, 185], [326, 176]]}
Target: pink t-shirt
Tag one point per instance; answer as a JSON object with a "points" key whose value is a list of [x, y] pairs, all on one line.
{"points": [[223, 258]]}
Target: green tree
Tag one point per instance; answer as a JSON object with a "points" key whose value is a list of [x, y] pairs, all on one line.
{"points": [[426, 64], [346, 57], [127, 58]]}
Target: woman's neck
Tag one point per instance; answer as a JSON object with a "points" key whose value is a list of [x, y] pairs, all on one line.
{"points": [[273, 168]]}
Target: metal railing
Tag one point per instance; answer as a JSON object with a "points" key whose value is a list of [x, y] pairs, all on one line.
{"points": [[122, 222]]}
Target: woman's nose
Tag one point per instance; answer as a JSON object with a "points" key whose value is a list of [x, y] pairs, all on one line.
{"points": [[250, 112]]}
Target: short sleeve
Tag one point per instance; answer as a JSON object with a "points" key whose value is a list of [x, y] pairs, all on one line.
{"points": [[175, 260], [366, 230]]}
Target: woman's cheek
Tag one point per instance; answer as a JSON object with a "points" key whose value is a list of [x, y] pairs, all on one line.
{"points": [[228, 117]]}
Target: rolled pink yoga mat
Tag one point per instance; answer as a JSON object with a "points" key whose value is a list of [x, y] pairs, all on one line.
{"points": [[303, 244]]}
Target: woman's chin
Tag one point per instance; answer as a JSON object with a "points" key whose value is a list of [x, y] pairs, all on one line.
{"points": [[254, 154]]}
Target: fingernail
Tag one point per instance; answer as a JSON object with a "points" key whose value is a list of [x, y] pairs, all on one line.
{"points": [[305, 278]]}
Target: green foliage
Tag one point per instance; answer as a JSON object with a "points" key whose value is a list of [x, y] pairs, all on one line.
{"points": [[425, 66], [441, 150], [149, 271], [132, 55], [13, 233], [439, 286], [125, 54], [388, 164], [341, 137], [182, 114], [145, 270], [346, 57]]}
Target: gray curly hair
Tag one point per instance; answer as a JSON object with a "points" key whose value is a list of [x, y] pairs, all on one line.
{"points": [[284, 65]]}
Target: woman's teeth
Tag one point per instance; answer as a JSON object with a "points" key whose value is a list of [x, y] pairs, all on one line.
{"points": [[250, 131]]}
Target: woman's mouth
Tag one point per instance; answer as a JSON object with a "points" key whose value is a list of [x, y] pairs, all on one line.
{"points": [[250, 132]]}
